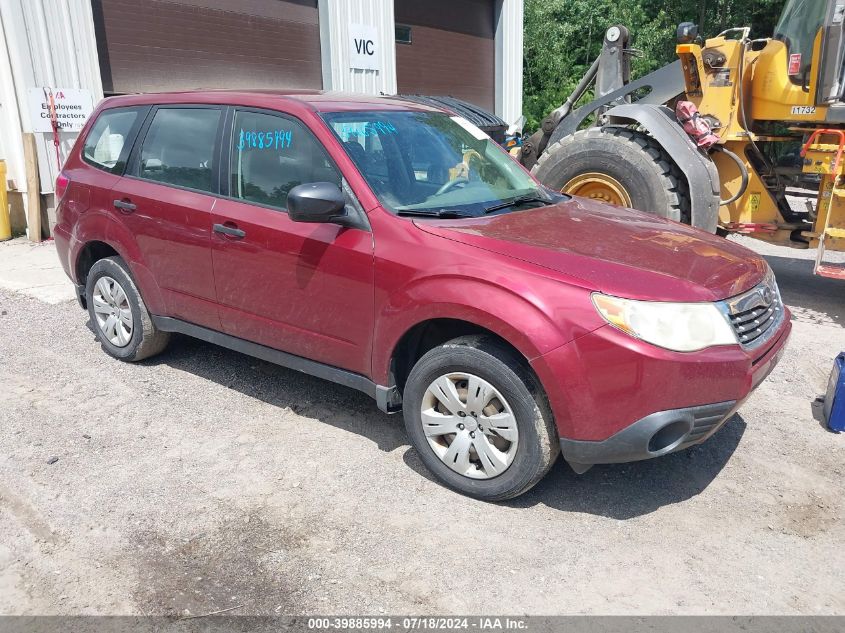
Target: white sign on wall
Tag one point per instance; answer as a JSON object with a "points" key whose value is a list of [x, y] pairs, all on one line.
{"points": [[72, 108], [363, 47]]}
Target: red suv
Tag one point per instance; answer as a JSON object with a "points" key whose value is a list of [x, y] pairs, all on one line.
{"points": [[394, 248]]}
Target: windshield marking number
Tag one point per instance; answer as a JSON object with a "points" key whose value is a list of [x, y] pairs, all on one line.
{"points": [[371, 128], [271, 139]]}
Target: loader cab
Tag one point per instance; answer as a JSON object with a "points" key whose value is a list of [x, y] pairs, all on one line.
{"points": [[813, 34], [798, 28], [831, 59], [799, 75]]}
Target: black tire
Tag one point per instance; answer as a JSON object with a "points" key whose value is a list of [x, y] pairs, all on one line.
{"points": [[146, 340], [537, 446], [638, 162]]}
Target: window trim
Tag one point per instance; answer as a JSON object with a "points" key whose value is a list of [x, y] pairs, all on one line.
{"points": [[226, 174], [128, 142], [134, 161]]}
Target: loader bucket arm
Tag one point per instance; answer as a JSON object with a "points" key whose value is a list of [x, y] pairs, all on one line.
{"points": [[664, 84]]}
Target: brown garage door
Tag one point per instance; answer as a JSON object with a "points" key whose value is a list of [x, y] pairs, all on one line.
{"points": [[452, 50], [153, 45]]}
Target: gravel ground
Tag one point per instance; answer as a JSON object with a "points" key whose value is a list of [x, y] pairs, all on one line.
{"points": [[203, 480]]}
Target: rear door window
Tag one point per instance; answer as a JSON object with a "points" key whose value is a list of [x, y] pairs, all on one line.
{"points": [[107, 144], [272, 154], [178, 148]]}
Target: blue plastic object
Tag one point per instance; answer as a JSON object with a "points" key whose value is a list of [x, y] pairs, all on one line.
{"points": [[834, 399]]}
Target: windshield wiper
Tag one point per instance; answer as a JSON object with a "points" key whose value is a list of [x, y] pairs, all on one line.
{"points": [[531, 197], [441, 213]]}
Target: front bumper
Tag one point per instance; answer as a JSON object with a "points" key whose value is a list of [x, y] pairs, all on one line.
{"points": [[652, 436], [617, 399]]}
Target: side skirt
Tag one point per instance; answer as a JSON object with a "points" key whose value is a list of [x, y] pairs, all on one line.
{"points": [[386, 397]]}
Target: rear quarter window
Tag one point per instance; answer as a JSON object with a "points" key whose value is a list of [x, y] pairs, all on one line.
{"points": [[106, 146]]}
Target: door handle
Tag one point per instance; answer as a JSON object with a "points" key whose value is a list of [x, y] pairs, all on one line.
{"points": [[230, 231], [124, 205]]}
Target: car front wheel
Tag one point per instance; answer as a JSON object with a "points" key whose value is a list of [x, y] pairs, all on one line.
{"points": [[479, 420]]}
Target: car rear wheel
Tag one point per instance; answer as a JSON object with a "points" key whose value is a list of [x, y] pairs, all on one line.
{"points": [[479, 420], [120, 318]]}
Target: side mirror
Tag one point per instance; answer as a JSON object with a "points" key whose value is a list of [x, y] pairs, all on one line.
{"points": [[316, 202]]}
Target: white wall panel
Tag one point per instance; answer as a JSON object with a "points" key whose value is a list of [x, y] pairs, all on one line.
{"points": [[44, 43], [335, 18], [509, 62]]}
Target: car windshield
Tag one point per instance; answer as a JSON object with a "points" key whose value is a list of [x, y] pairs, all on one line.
{"points": [[429, 163]]}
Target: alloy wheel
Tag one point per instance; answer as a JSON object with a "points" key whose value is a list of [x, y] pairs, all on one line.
{"points": [[469, 425], [112, 311]]}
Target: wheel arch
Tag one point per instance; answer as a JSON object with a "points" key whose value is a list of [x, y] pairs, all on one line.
{"points": [[404, 337], [425, 335], [99, 236], [699, 171], [517, 309], [88, 255]]}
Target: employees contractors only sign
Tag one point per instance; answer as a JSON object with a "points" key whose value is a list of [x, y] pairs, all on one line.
{"points": [[70, 105]]}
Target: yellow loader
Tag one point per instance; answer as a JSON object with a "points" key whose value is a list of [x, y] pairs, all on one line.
{"points": [[777, 106]]}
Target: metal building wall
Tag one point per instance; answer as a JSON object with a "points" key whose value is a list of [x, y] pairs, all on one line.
{"points": [[337, 15], [42, 43], [452, 49], [158, 45], [335, 18], [509, 42]]}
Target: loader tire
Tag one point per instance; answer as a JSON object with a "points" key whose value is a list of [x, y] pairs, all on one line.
{"points": [[620, 166]]}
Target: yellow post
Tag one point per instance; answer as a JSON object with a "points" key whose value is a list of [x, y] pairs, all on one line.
{"points": [[5, 222]]}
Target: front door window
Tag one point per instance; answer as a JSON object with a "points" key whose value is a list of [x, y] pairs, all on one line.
{"points": [[271, 155]]}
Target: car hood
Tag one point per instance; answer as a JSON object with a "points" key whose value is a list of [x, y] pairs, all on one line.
{"points": [[614, 250]]}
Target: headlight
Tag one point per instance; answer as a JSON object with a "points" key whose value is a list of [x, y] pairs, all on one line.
{"points": [[682, 327]]}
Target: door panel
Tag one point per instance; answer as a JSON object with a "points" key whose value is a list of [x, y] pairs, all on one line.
{"points": [[830, 72], [306, 289], [173, 230], [165, 201]]}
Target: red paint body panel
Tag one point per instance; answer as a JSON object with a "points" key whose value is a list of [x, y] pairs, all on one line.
{"points": [[303, 288], [346, 297], [606, 380], [420, 276], [618, 251], [172, 228]]}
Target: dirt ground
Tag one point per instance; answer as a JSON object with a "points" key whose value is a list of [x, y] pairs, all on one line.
{"points": [[204, 479]]}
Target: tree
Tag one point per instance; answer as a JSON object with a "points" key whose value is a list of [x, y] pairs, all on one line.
{"points": [[563, 37]]}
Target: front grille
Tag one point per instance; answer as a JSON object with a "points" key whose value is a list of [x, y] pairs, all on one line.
{"points": [[756, 314], [752, 324]]}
